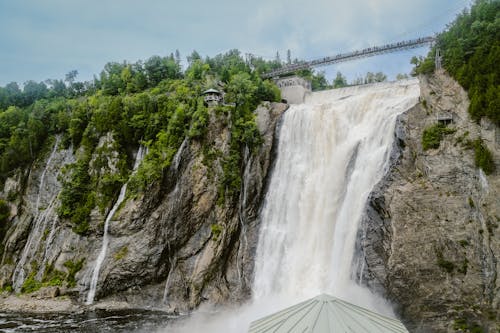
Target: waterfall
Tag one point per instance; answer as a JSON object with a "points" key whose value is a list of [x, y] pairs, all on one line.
{"points": [[332, 150], [39, 224], [105, 238], [42, 177], [483, 181]]}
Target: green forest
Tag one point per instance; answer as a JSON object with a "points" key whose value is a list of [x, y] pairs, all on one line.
{"points": [[158, 104], [154, 103], [470, 48]]}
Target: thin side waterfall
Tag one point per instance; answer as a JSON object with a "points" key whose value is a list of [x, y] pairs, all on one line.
{"points": [[42, 177], [332, 150], [39, 224], [105, 238]]}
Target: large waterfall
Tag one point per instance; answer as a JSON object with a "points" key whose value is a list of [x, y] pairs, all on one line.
{"points": [[332, 150]]}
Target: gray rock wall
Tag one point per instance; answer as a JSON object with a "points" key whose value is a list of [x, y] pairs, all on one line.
{"points": [[430, 241], [171, 247]]}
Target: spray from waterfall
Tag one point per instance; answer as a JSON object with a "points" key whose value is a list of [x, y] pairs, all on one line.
{"points": [[332, 150], [105, 238]]}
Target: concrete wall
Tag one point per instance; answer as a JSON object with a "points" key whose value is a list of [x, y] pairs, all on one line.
{"points": [[294, 94], [294, 89]]}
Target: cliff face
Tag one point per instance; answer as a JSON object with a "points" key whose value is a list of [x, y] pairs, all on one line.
{"points": [[430, 241], [173, 246]]}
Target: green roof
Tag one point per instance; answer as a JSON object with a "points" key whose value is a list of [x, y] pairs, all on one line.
{"points": [[211, 91], [326, 314]]}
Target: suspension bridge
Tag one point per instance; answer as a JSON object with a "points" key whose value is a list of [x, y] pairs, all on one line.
{"points": [[343, 57]]}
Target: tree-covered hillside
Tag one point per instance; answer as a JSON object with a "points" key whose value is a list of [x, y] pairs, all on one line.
{"points": [[154, 103], [470, 48]]}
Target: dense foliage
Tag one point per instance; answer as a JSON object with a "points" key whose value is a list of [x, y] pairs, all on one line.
{"points": [[154, 103], [471, 54], [483, 157], [470, 48], [432, 136]]}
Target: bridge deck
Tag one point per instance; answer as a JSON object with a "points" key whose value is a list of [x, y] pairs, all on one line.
{"points": [[368, 52]]}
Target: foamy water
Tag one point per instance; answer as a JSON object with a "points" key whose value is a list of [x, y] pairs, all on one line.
{"points": [[332, 150]]}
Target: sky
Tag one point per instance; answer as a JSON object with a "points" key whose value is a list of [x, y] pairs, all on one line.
{"points": [[47, 39]]}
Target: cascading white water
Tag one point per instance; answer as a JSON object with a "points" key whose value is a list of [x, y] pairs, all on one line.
{"points": [[332, 150], [105, 238], [39, 224]]}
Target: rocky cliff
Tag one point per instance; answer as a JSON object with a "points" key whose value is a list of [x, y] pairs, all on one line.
{"points": [[172, 247], [430, 241]]}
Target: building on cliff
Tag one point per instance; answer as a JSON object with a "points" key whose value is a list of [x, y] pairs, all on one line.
{"points": [[213, 97]]}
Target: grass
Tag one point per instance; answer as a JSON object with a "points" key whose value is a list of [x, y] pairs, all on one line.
{"points": [[216, 230]]}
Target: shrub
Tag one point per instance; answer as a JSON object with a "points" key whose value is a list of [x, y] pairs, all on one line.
{"points": [[432, 136], [73, 268], [31, 284], [216, 230], [483, 157], [52, 277]]}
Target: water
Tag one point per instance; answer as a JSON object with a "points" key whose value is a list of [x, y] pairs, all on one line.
{"points": [[332, 150], [42, 177], [105, 237], [39, 224], [483, 181], [88, 322]]}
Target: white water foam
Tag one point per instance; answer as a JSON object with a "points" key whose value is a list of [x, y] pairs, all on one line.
{"points": [[332, 150]]}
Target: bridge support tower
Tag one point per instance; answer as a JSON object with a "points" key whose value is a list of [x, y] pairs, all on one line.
{"points": [[293, 88]]}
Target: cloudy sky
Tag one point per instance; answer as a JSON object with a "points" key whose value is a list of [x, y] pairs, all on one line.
{"points": [[46, 39]]}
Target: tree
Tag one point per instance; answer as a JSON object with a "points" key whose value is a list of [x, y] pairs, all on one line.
{"points": [[380, 77], [33, 91], [14, 94], [193, 57], [319, 82], [377, 77], [240, 89], [401, 76], [339, 81], [158, 69], [71, 76], [57, 88]]}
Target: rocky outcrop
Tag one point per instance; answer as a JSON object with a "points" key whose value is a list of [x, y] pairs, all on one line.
{"points": [[173, 246], [430, 241]]}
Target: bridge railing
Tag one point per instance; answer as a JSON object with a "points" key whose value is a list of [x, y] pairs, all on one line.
{"points": [[368, 52]]}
